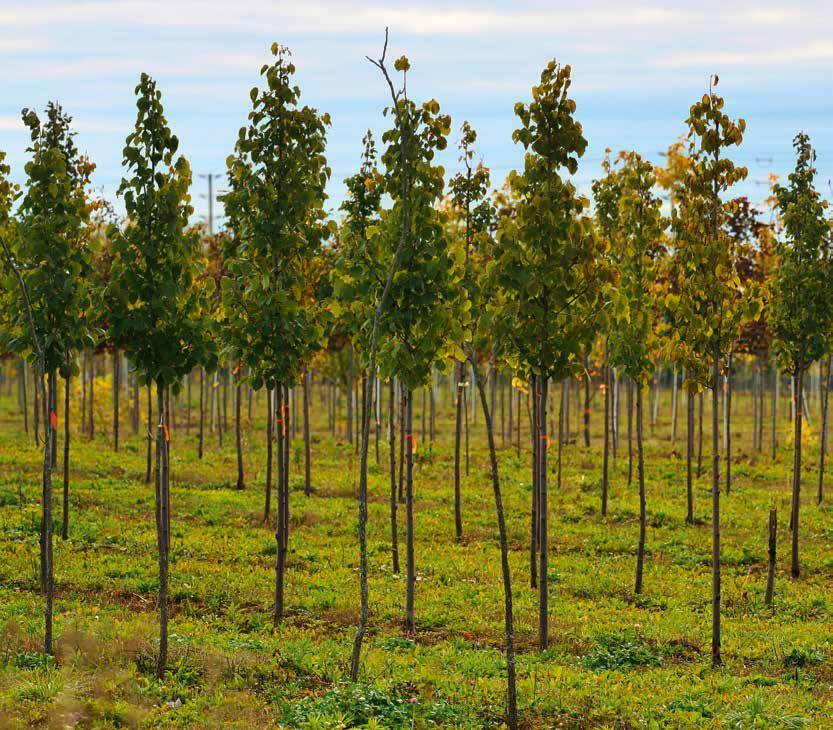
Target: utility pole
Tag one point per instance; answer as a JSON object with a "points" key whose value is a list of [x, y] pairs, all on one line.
{"points": [[210, 179]]}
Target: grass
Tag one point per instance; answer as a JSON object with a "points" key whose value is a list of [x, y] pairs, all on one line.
{"points": [[615, 660]]}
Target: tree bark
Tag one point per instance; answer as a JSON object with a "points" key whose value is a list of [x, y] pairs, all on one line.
{"points": [[307, 455], [394, 532], [47, 569], [238, 431], [509, 632], [150, 436], [606, 450], [280, 525], [689, 457], [458, 423], [640, 475], [201, 435], [716, 658], [65, 512], [409, 513], [116, 394], [796, 490], [543, 571], [270, 420], [825, 399], [773, 544], [162, 525]]}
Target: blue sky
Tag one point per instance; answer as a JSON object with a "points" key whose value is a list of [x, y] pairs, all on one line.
{"points": [[637, 67]]}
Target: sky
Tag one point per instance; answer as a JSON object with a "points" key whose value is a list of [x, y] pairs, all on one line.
{"points": [[637, 68]]}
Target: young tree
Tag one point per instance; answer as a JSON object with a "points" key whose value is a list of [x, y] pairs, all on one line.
{"points": [[154, 293], [475, 216], [547, 268], [53, 261], [633, 335], [802, 309], [469, 191], [712, 302], [277, 176]]}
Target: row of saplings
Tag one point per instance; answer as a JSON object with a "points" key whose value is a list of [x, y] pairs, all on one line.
{"points": [[526, 278]]}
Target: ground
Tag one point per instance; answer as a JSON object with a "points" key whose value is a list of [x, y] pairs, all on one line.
{"points": [[614, 661]]}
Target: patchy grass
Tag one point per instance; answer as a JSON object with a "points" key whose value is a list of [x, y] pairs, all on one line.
{"points": [[615, 660]]}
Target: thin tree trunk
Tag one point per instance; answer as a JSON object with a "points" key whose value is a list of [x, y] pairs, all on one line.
{"points": [[773, 544], [727, 423], [409, 513], [280, 527], [65, 513], [201, 435], [606, 451], [238, 431], [543, 571], [716, 658], [775, 388], [587, 384], [458, 423], [394, 532], [796, 491], [270, 420], [629, 389], [307, 456], [674, 391], [689, 457], [534, 526], [50, 434], [150, 436], [509, 632], [116, 394], [825, 398], [700, 435], [640, 475], [24, 399], [163, 521]]}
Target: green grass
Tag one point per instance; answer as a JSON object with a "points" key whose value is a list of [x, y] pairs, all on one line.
{"points": [[614, 661]]}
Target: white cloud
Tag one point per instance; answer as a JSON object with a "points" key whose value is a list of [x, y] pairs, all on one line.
{"points": [[812, 53]]}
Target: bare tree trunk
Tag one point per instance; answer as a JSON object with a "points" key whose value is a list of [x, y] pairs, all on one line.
{"points": [[640, 475], [629, 389], [543, 571], [689, 457], [773, 544], [201, 435], [775, 388], [727, 423], [825, 398], [606, 451], [65, 513], [150, 436], [534, 525], [24, 399], [162, 524], [270, 420], [674, 391], [47, 570], [458, 423], [700, 435], [409, 513], [238, 430], [716, 658], [307, 455], [280, 525], [509, 632], [796, 491], [587, 385], [116, 394], [394, 532]]}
